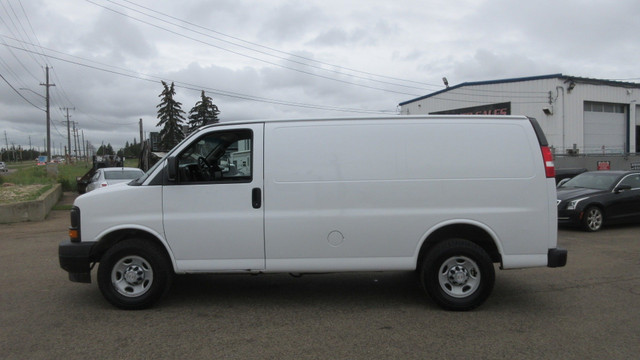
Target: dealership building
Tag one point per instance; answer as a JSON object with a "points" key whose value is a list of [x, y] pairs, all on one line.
{"points": [[579, 116]]}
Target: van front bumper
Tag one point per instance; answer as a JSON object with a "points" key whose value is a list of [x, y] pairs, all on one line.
{"points": [[556, 258], [75, 258]]}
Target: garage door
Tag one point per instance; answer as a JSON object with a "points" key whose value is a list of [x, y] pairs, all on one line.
{"points": [[605, 128]]}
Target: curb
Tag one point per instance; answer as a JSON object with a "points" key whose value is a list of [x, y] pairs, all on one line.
{"points": [[34, 210]]}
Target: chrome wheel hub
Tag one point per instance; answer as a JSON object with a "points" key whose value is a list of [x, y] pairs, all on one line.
{"points": [[459, 276], [132, 276]]}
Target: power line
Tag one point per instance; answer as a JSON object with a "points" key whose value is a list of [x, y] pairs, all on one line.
{"points": [[219, 92], [19, 94], [21, 27], [333, 66], [254, 98], [253, 57], [273, 49], [44, 61], [20, 36]]}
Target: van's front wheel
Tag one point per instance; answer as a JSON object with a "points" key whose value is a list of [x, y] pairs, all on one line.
{"points": [[134, 274], [457, 274]]}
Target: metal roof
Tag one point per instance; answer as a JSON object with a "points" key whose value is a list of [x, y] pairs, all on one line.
{"points": [[566, 78]]}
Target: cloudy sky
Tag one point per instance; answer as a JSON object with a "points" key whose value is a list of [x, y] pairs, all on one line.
{"points": [[284, 59]]}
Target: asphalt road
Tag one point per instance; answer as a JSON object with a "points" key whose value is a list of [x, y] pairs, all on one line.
{"points": [[588, 310]]}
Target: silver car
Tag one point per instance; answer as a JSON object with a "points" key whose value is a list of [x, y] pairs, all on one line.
{"points": [[109, 176]]}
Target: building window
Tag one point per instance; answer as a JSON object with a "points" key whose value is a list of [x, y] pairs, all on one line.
{"points": [[603, 107]]}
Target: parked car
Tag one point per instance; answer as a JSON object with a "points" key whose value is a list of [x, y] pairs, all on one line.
{"points": [[595, 198], [109, 176], [564, 175]]}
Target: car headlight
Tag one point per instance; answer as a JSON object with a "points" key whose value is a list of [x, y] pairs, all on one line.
{"points": [[574, 203]]}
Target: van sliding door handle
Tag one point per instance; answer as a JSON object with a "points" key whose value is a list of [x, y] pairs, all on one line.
{"points": [[256, 198]]}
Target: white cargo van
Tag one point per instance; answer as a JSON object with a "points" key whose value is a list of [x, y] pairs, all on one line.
{"points": [[446, 196]]}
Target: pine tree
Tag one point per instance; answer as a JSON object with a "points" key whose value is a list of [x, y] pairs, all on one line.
{"points": [[171, 118], [204, 113]]}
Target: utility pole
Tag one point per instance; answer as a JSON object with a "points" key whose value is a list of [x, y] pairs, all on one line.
{"points": [[6, 141], [84, 145], [141, 134], [68, 134], [75, 140], [48, 113]]}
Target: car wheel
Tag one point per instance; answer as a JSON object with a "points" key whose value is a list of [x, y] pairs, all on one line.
{"points": [[134, 274], [593, 219], [457, 274]]}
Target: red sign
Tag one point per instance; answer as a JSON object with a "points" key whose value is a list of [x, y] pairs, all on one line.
{"points": [[604, 165]]}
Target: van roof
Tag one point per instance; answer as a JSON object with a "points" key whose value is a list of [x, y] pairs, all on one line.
{"points": [[388, 117]]}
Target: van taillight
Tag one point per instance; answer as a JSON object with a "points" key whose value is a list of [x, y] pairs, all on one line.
{"points": [[549, 167]]}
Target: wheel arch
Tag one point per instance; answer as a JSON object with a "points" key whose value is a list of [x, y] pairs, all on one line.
{"points": [[114, 236], [596, 204], [477, 233]]}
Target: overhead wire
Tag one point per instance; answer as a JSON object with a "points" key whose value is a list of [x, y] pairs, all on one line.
{"points": [[19, 35], [35, 36], [194, 87], [218, 91], [287, 53], [21, 27], [276, 50], [253, 57], [306, 64], [19, 94]]}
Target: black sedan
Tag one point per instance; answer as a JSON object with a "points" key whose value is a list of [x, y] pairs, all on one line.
{"points": [[594, 198]]}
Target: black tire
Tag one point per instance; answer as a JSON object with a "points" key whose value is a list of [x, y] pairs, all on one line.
{"points": [[593, 219], [134, 274], [457, 274]]}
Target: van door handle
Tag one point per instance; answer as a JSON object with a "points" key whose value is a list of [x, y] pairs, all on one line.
{"points": [[256, 198]]}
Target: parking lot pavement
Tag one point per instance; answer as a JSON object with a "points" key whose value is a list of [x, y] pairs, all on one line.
{"points": [[588, 309]]}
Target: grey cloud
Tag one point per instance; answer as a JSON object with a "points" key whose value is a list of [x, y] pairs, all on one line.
{"points": [[115, 37]]}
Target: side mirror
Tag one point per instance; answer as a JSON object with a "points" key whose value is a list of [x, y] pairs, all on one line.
{"points": [[622, 188], [172, 168]]}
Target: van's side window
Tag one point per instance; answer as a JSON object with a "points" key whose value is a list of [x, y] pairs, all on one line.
{"points": [[224, 156]]}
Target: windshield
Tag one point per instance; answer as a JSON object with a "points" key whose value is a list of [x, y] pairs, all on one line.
{"points": [[592, 180], [123, 174]]}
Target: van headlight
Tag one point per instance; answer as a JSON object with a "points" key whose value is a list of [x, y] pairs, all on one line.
{"points": [[574, 203]]}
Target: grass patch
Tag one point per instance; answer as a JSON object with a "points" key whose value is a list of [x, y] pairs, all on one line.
{"points": [[29, 181], [30, 174], [19, 193]]}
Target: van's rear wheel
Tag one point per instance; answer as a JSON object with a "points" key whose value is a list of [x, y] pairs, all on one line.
{"points": [[134, 274], [457, 274]]}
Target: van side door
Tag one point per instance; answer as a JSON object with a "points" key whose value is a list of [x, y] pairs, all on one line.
{"points": [[213, 213]]}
